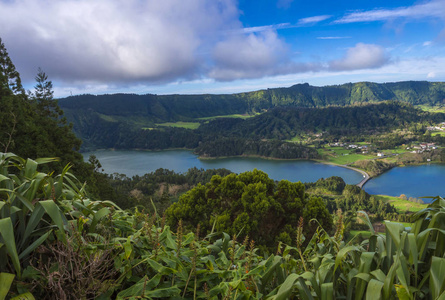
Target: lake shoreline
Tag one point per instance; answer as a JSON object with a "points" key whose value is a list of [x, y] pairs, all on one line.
{"points": [[411, 183], [361, 184], [364, 173], [133, 162]]}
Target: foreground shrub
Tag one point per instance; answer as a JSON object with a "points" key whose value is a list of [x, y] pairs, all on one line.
{"points": [[55, 242]]}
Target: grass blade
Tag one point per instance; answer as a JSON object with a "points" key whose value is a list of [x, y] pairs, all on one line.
{"points": [[7, 233]]}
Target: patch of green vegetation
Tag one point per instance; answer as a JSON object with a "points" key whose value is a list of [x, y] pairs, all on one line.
{"points": [[241, 116], [399, 150], [402, 205], [187, 125], [108, 118], [364, 233], [343, 158], [434, 109], [439, 133], [297, 139]]}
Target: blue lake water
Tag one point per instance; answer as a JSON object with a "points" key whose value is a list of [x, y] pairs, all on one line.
{"points": [[413, 181], [141, 162]]}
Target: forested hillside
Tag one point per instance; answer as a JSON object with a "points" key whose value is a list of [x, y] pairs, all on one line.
{"points": [[252, 136], [286, 122], [148, 108], [134, 121]]}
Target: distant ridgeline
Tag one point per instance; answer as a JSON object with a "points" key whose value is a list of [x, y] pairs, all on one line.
{"points": [[129, 121]]}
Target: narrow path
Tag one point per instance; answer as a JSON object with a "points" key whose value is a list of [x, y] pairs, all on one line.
{"points": [[365, 175]]}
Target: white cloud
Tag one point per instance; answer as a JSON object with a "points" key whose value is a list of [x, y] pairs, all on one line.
{"points": [[434, 8], [431, 75], [112, 40], [313, 20], [362, 56], [427, 43], [333, 37], [248, 57], [266, 27]]}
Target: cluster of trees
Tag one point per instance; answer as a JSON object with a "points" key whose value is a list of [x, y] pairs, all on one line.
{"points": [[161, 187], [355, 199], [330, 186], [249, 204], [374, 167], [31, 123], [233, 146], [350, 198], [285, 123]]}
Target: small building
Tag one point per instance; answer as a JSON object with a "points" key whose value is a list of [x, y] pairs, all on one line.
{"points": [[380, 154]]}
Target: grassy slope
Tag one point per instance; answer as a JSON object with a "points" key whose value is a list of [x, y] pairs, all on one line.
{"points": [[431, 108], [228, 116], [187, 125], [342, 156], [402, 205]]}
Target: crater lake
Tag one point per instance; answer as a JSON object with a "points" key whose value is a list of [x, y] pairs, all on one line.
{"points": [[133, 162]]}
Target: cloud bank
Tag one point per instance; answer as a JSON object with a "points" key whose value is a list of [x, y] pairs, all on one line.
{"points": [[434, 9], [361, 56], [115, 40], [133, 42]]}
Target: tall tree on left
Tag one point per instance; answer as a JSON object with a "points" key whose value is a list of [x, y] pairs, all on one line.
{"points": [[12, 101], [32, 125]]}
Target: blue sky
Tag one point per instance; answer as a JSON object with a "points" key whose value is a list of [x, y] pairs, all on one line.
{"points": [[221, 46]]}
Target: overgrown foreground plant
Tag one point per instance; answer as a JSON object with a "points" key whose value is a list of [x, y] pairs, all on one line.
{"points": [[55, 243]]}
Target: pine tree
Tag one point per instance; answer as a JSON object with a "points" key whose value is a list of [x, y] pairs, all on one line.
{"points": [[32, 125], [10, 82], [12, 101], [43, 96]]}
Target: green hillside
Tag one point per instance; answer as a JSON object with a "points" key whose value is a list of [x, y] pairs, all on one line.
{"points": [[167, 108], [96, 116]]}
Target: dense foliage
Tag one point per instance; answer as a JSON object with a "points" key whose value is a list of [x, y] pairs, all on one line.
{"points": [[56, 243], [165, 108], [249, 204], [232, 146], [234, 136], [285, 123], [350, 199], [32, 125], [161, 187]]}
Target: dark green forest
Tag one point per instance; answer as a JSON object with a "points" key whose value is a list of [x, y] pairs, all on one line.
{"points": [[165, 108], [131, 121], [265, 134]]}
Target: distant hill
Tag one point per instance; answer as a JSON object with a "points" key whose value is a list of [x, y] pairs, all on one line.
{"points": [[94, 117], [177, 107]]}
